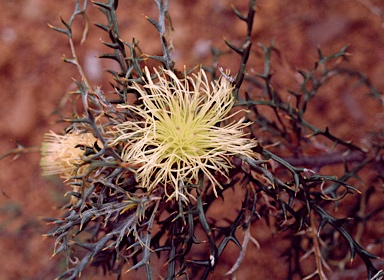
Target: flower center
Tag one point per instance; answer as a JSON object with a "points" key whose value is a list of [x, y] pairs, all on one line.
{"points": [[179, 136]]}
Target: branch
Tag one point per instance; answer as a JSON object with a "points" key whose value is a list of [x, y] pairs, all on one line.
{"points": [[327, 159]]}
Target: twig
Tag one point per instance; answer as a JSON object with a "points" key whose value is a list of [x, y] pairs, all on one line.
{"points": [[327, 159]]}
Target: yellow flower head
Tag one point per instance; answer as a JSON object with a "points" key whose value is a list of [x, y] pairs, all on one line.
{"points": [[179, 131], [60, 154]]}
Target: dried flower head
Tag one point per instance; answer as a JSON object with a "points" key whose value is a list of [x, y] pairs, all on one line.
{"points": [[179, 131], [62, 154]]}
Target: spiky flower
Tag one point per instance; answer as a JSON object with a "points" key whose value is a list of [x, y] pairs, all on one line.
{"points": [[179, 131], [62, 154]]}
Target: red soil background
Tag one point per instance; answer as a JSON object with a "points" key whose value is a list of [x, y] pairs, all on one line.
{"points": [[34, 81]]}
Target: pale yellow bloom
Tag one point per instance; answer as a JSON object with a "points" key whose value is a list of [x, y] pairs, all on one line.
{"points": [[62, 154], [180, 132]]}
